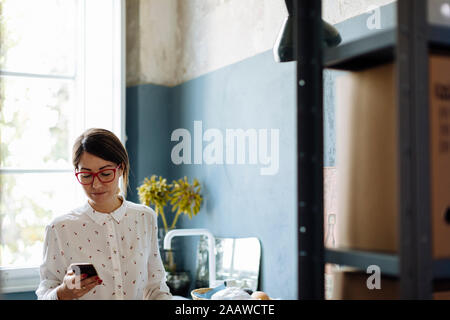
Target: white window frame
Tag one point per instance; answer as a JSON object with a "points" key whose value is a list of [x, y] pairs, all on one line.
{"points": [[13, 280]]}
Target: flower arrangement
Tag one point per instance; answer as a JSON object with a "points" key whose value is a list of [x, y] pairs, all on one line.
{"points": [[182, 196]]}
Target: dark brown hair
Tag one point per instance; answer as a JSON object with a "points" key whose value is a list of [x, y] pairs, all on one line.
{"points": [[103, 144]]}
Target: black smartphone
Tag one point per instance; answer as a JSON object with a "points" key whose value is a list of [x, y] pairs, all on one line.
{"points": [[84, 268]]}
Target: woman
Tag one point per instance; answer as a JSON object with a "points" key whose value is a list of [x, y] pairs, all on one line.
{"points": [[117, 236]]}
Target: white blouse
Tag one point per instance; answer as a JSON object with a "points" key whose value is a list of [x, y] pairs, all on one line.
{"points": [[122, 245]]}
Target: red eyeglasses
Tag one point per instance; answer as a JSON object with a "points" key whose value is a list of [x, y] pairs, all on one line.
{"points": [[105, 176]]}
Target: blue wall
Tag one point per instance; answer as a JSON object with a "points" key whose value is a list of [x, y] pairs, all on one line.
{"points": [[147, 121], [239, 202], [30, 295]]}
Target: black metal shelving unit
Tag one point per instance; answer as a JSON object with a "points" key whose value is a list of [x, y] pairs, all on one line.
{"points": [[361, 54], [408, 45], [309, 148]]}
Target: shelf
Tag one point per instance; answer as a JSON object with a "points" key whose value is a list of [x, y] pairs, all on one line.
{"points": [[439, 36], [406, 43], [388, 263], [377, 49], [441, 269], [362, 53]]}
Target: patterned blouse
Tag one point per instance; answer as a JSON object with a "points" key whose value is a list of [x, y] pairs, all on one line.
{"points": [[122, 246]]}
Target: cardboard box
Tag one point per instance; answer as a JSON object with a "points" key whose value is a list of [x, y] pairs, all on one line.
{"points": [[352, 285], [440, 153], [367, 159]]}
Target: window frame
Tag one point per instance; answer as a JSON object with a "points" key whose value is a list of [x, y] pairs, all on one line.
{"points": [[13, 279]]}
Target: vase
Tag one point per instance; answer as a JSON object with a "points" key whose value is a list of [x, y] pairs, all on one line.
{"points": [[167, 256], [179, 283], [202, 273]]}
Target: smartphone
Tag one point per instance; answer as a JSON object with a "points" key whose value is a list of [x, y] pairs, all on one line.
{"points": [[84, 268]]}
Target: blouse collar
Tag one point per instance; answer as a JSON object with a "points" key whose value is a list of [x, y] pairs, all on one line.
{"points": [[101, 218]]}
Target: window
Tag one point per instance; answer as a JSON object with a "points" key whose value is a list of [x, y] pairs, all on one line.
{"points": [[61, 72]]}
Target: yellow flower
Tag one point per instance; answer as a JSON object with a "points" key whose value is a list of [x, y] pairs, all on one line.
{"points": [[183, 197], [155, 191]]}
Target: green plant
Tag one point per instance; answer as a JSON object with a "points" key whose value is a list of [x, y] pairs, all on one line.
{"points": [[185, 198], [182, 196], [155, 192]]}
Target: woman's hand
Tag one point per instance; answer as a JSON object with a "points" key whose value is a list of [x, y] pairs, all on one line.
{"points": [[75, 286]]}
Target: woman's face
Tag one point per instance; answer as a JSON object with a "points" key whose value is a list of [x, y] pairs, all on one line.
{"points": [[97, 191]]}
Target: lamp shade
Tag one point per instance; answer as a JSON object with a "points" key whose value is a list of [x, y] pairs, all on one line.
{"points": [[283, 50]]}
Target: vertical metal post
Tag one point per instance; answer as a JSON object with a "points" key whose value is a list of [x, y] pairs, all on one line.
{"points": [[308, 50], [414, 150]]}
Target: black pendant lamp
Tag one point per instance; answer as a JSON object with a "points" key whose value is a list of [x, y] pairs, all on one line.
{"points": [[283, 49]]}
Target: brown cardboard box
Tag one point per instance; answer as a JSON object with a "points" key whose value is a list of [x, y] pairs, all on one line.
{"points": [[352, 285], [366, 158], [440, 153]]}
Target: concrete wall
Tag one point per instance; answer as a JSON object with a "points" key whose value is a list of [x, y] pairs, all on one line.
{"points": [[153, 45], [173, 41], [335, 11]]}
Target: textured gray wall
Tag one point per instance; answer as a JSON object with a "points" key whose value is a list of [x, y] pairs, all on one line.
{"points": [[173, 41]]}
